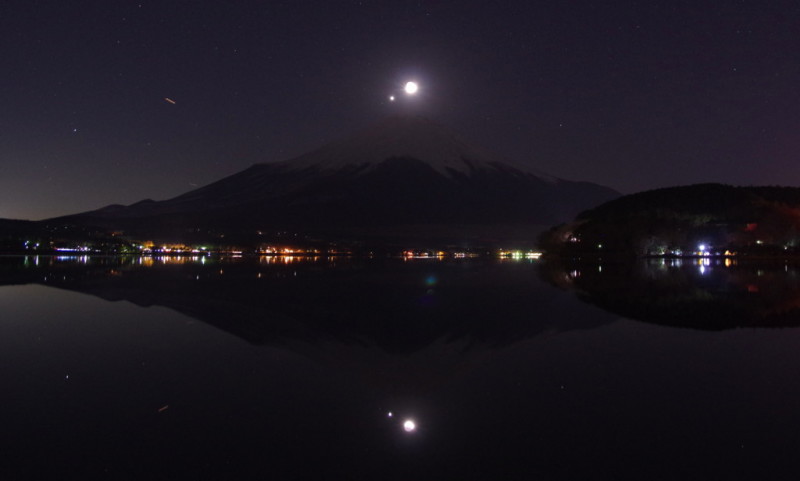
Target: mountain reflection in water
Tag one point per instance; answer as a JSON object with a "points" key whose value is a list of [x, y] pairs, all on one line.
{"points": [[395, 305], [436, 318], [698, 293]]}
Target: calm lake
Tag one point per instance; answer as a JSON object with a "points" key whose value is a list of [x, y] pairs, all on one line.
{"points": [[285, 368]]}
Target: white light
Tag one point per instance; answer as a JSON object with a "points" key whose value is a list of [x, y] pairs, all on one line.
{"points": [[409, 426], [411, 88], [391, 98], [389, 414], [702, 247]]}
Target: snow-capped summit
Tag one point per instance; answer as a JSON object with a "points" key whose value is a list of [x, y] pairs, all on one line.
{"points": [[406, 136]]}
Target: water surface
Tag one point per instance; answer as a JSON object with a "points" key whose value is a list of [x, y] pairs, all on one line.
{"points": [[271, 369]]}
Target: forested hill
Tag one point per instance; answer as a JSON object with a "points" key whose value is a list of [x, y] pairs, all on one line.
{"points": [[681, 220]]}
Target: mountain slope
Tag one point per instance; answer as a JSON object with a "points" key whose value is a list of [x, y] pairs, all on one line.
{"points": [[402, 171]]}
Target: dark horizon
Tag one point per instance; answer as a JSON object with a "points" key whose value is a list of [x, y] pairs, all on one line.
{"points": [[112, 104]]}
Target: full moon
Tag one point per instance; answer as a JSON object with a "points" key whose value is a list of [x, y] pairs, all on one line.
{"points": [[411, 88], [409, 426]]}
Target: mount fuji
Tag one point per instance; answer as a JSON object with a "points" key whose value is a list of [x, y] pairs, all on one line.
{"points": [[403, 171]]}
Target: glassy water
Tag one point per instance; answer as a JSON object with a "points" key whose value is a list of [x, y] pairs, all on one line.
{"points": [[127, 368]]}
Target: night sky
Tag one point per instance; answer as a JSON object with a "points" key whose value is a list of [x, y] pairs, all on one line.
{"points": [[632, 95]]}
